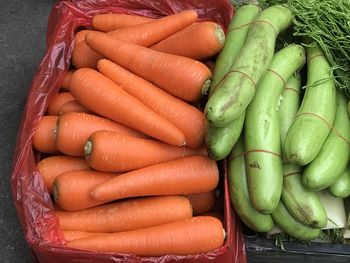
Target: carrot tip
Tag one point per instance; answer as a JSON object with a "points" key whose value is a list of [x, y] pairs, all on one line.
{"points": [[87, 148], [206, 86], [220, 34]]}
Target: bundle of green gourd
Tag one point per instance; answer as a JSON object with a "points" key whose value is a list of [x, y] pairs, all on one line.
{"points": [[282, 146]]}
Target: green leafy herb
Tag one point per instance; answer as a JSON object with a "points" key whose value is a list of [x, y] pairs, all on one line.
{"points": [[326, 23]]}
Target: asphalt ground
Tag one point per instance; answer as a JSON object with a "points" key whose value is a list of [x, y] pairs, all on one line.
{"points": [[22, 46]]}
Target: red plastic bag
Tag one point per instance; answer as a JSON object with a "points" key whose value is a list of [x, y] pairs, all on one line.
{"points": [[32, 201]]}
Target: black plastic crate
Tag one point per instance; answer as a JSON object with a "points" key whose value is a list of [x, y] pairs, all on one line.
{"points": [[260, 249]]}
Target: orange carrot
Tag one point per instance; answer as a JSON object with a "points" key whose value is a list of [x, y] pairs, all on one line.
{"points": [[43, 137], [127, 215], [202, 202], [80, 36], [57, 101], [197, 41], [83, 56], [66, 79], [72, 189], [101, 95], [53, 166], [182, 77], [110, 151], [73, 235], [152, 32], [186, 117], [74, 128], [146, 34], [190, 175], [183, 237], [217, 214], [72, 106], [109, 22]]}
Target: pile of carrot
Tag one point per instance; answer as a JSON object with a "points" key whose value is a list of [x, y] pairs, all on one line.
{"points": [[123, 148]]}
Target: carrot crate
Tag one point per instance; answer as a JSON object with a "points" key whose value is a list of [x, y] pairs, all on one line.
{"points": [[34, 193]]}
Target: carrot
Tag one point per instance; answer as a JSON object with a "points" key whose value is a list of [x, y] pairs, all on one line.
{"points": [[109, 22], [83, 56], [186, 117], [202, 202], [80, 36], [146, 34], [183, 237], [150, 33], [110, 151], [182, 77], [74, 128], [101, 95], [73, 235], [53, 166], [57, 101], [71, 189], [190, 175], [66, 79], [216, 214], [72, 106], [127, 215], [43, 137], [197, 41]]}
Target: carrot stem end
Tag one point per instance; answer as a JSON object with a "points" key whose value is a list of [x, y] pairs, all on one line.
{"points": [[88, 148]]}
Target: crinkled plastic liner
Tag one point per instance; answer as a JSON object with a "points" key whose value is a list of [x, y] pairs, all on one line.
{"points": [[32, 201]]}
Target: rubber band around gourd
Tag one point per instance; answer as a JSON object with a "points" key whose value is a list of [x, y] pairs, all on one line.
{"points": [[326, 122], [263, 151], [315, 56], [252, 23], [278, 75], [290, 88], [292, 173], [340, 135], [237, 71], [254, 150]]}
